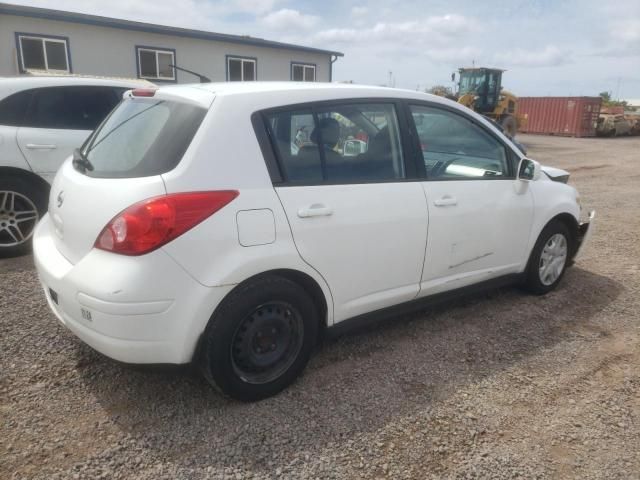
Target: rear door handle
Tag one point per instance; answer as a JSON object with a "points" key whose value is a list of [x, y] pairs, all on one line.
{"points": [[446, 201], [315, 210], [40, 146]]}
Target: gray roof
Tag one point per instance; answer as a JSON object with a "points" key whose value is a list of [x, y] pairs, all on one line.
{"points": [[49, 14]]}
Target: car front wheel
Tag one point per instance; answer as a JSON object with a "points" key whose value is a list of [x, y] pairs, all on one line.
{"points": [[260, 338], [549, 258]]}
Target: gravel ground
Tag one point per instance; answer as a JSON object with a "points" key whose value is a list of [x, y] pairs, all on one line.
{"points": [[499, 385]]}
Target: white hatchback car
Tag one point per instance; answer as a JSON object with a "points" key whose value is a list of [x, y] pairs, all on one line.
{"points": [[189, 228], [42, 119]]}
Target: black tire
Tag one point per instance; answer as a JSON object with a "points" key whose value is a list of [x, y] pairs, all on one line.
{"points": [[533, 282], [26, 194], [510, 126], [231, 348]]}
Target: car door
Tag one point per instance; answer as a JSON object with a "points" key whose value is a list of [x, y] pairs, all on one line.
{"points": [[59, 120], [356, 219], [479, 215]]}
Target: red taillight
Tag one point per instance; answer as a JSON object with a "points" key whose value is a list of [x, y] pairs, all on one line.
{"points": [[143, 92], [148, 225]]}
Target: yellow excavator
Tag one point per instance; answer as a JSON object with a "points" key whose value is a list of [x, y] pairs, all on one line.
{"points": [[480, 89]]}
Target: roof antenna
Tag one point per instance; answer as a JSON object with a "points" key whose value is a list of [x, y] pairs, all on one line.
{"points": [[203, 79]]}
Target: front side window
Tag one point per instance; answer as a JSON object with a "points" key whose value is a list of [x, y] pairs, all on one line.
{"points": [[43, 53], [71, 108], [453, 147], [156, 64], [303, 73], [241, 69], [349, 143]]}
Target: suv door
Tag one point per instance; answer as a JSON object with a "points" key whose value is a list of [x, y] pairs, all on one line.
{"points": [[479, 221], [354, 218], [59, 120]]}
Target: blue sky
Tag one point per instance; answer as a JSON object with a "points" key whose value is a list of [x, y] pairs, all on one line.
{"points": [[575, 47]]}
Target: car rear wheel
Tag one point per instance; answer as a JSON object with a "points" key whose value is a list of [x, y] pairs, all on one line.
{"points": [[21, 207], [260, 338], [549, 258]]}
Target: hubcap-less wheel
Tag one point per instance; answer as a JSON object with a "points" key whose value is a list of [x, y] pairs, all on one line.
{"points": [[18, 218], [553, 259], [267, 342]]}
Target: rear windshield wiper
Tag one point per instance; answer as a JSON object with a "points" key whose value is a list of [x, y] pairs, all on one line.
{"points": [[81, 162]]}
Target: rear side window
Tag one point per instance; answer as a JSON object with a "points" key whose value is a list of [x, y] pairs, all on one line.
{"points": [[14, 107], [71, 108], [344, 143], [142, 138]]}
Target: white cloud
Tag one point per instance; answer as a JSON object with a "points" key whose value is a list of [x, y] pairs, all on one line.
{"points": [[550, 56], [427, 31], [287, 18], [359, 11], [257, 7]]}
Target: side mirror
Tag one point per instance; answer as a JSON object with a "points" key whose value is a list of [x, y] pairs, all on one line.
{"points": [[528, 170]]}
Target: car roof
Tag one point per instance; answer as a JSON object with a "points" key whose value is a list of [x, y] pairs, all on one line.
{"points": [[313, 91], [9, 85]]}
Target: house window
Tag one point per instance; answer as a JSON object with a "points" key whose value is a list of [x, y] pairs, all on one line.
{"points": [[303, 73], [155, 64], [241, 69], [43, 53]]}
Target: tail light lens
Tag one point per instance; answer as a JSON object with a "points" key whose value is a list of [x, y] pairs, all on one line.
{"points": [[147, 225]]}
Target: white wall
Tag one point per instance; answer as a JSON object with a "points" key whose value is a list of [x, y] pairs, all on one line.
{"points": [[111, 51]]}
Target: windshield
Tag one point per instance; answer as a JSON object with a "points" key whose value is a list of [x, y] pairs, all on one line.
{"points": [[142, 137]]}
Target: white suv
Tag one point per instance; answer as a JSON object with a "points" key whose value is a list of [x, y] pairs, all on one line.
{"points": [[42, 119], [197, 224]]}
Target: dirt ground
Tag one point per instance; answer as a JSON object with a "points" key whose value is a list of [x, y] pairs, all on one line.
{"points": [[498, 385]]}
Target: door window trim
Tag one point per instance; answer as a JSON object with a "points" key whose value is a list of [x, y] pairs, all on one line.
{"points": [[274, 163], [512, 158], [36, 36]]}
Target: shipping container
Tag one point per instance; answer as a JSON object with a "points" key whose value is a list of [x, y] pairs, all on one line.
{"points": [[567, 116]]}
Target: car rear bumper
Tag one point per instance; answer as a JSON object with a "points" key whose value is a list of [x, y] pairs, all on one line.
{"points": [[144, 309]]}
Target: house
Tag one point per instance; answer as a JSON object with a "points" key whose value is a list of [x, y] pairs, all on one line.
{"points": [[39, 39]]}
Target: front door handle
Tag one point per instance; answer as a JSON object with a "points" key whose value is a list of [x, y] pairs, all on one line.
{"points": [[40, 146], [446, 201], [315, 210]]}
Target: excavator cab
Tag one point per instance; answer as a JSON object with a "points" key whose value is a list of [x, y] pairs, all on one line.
{"points": [[483, 85]]}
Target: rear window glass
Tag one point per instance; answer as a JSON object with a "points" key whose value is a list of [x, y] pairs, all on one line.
{"points": [[142, 138]]}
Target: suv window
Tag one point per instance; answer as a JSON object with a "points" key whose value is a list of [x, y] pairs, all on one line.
{"points": [[346, 143], [14, 107], [454, 148], [72, 108], [142, 138]]}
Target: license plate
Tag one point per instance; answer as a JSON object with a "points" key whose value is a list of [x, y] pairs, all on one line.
{"points": [[53, 295]]}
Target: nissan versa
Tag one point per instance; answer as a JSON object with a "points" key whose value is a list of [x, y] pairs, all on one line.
{"points": [[230, 224]]}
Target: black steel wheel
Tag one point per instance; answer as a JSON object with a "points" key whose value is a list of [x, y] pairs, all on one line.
{"points": [[267, 342], [260, 338]]}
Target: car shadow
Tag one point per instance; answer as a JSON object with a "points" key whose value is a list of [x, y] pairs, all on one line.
{"points": [[379, 373]]}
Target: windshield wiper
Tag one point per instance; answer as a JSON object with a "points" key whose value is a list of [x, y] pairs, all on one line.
{"points": [[81, 162]]}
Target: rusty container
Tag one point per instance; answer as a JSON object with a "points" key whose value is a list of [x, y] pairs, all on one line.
{"points": [[567, 116]]}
